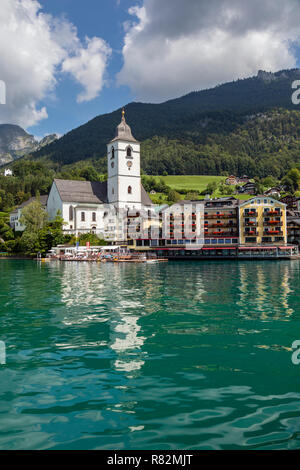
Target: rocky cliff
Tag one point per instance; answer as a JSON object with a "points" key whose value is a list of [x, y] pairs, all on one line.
{"points": [[15, 142]]}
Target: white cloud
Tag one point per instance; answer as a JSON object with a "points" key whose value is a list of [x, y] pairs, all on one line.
{"points": [[88, 67], [176, 46], [35, 48]]}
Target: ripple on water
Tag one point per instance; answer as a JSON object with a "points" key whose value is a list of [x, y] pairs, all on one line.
{"points": [[179, 355]]}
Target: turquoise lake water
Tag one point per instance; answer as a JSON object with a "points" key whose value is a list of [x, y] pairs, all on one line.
{"points": [[179, 355]]}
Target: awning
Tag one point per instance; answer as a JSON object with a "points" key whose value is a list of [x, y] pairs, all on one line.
{"points": [[220, 248], [257, 248], [286, 247]]}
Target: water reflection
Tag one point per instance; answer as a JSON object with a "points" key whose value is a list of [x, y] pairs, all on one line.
{"points": [[178, 355], [99, 294]]}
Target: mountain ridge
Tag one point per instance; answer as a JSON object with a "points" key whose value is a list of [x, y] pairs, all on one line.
{"points": [[174, 118], [15, 142]]}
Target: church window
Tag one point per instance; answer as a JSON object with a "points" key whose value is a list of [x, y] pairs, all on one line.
{"points": [[70, 213], [113, 191], [129, 152], [129, 190], [82, 216], [112, 153], [94, 216]]}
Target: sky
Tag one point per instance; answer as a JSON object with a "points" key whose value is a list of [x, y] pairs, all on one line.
{"points": [[66, 61]]}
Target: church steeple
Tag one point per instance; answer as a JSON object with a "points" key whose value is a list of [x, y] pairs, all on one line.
{"points": [[123, 131], [123, 168]]}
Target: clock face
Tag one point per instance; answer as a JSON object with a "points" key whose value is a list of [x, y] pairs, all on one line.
{"points": [[129, 164]]}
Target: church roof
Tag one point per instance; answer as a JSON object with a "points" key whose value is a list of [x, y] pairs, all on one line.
{"points": [[93, 192], [123, 131], [90, 192]]}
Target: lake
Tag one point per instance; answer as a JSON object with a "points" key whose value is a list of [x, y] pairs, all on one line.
{"points": [[178, 355]]}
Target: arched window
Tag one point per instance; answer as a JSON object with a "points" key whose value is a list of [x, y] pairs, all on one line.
{"points": [[128, 152], [70, 213], [129, 190], [112, 153], [94, 216], [113, 191]]}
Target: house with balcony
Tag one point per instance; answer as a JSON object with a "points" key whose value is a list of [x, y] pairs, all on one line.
{"points": [[221, 222], [262, 222]]}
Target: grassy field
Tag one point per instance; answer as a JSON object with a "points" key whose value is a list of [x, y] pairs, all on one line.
{"points": [[192, 182]]}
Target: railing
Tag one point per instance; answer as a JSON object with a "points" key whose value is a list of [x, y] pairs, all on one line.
{"points": [[220, 234], [250, 224], [220, 225], [273, 233], [250, 214], [273, 222], [253, 233], [220, 216], [267, 213]]}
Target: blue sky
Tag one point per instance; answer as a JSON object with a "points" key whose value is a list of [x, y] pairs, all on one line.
{"points": [[103, 18], [66, 61]]}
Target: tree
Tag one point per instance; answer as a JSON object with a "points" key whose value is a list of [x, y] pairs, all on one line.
{"points": [[92, 239], [89, 173], [51, 234], [291, 182], [34, 219], [173, 196], [191, 196]]}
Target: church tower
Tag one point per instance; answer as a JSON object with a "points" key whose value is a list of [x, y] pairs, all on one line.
{"points": [[123, 168]]}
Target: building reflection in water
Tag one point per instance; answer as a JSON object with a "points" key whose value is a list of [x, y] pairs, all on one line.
{"points": [[264, 293], [92, 294], [120, 296]]}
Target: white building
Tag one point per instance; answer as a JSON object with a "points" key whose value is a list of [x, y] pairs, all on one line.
{"points": [[101, 207]]}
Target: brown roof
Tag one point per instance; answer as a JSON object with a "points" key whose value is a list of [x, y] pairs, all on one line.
{"points": [[146, 201], [82, 191], [93, 192], [43, 200]]}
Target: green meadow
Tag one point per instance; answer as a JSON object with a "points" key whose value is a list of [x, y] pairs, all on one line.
{"points": [[190, 182]]}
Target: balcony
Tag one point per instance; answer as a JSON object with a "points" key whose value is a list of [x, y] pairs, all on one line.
{"points": [[276, 223], [250, 224], [273, 232], [251, 233], [220, 234], [220, 216], [267, 213], [221, 225], [250, 214]]}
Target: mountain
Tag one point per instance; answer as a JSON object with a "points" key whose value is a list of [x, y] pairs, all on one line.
{"points": [[202, 125], [15, 142]]}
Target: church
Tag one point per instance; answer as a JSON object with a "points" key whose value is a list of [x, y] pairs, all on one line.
{"points": [[99, 207]]}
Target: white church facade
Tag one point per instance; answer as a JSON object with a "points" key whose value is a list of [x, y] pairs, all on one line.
{"points": [[101, 207]]}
